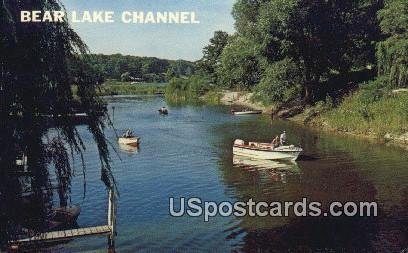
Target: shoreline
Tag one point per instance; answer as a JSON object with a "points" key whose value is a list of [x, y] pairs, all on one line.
{"points": [[387, 140], [119, 88], [243, 99], [235, 98]]}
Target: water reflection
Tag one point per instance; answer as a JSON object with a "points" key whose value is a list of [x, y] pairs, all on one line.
{"points": [[276, 171]]}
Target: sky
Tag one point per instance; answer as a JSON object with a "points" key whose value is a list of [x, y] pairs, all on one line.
{"points": [[168, 41]]}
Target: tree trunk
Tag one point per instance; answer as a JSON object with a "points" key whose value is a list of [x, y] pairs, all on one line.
{"points": [[308, 90]]}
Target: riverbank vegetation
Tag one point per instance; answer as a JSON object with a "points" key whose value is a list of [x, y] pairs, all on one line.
{"points": [[345, 55], [128, 68], [193, 89], [134, 75], [380, 107], [369, 114], [114, 87]]}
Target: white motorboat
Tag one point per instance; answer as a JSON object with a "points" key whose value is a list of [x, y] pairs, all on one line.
{"points": [[265, 151], [246, 112], [130, 149], [131, 141]]}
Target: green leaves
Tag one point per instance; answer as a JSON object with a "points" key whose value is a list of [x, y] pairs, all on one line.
{"points": [[394, 18], [323, 37], [180, 90], [240, 67], [212, 55], [392, 53], [281, 82]]}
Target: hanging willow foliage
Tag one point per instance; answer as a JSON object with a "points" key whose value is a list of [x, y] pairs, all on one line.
{"points": [[39, 62], [392, 53]]}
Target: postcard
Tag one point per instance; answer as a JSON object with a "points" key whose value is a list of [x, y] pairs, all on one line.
{"points": [[203, 126]]}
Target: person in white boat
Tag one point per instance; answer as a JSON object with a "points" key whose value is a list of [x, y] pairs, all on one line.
{"points": [[275, 142], [283, 139], [128, 133]]}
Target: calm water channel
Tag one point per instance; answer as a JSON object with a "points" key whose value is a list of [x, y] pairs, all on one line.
{"points": [[189, 154]]}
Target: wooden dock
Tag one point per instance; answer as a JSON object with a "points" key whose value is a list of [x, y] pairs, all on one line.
{"points": [[66, 234]]}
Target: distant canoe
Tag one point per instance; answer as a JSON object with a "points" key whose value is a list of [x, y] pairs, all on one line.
{"points": [[132, 141], [234, 112]]}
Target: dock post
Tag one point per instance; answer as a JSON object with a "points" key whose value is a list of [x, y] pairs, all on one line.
{"points": [[113, 113], [112, 220]]}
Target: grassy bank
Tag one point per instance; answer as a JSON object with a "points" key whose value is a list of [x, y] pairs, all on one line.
{"points": [[373, 114], [387, 115], [113, 87]]}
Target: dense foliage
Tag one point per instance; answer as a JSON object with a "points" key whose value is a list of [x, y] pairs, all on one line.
{"points": [[112, 87], [187, 89], [281, 82], [324, 39], [392, 53], [239, 67], [211, 55], [146, 69]]}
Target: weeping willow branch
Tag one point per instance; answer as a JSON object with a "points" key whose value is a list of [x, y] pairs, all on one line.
{"points": [[39, 63]]}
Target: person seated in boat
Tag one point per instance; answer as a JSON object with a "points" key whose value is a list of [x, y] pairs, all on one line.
{"points": [[283, 139], [163, 109], [128, 134], [275, 142]]}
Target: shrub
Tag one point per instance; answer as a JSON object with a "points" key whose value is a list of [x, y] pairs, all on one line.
{"points": [[373, 91], [187, 90]]}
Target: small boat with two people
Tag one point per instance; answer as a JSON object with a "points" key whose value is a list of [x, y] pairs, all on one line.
{"points": [[277, 150], [245, 112], [163, 111], [128, 138]]}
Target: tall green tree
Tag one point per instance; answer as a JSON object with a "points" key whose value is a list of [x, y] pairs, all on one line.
{"points": [[240, 66], [322, 36], [392, 53], [332, 36], [273, 29], [212, 55], [246, 13]]}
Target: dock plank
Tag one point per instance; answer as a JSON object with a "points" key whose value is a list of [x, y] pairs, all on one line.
{"points": [[66, 234], [69, 233]]}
